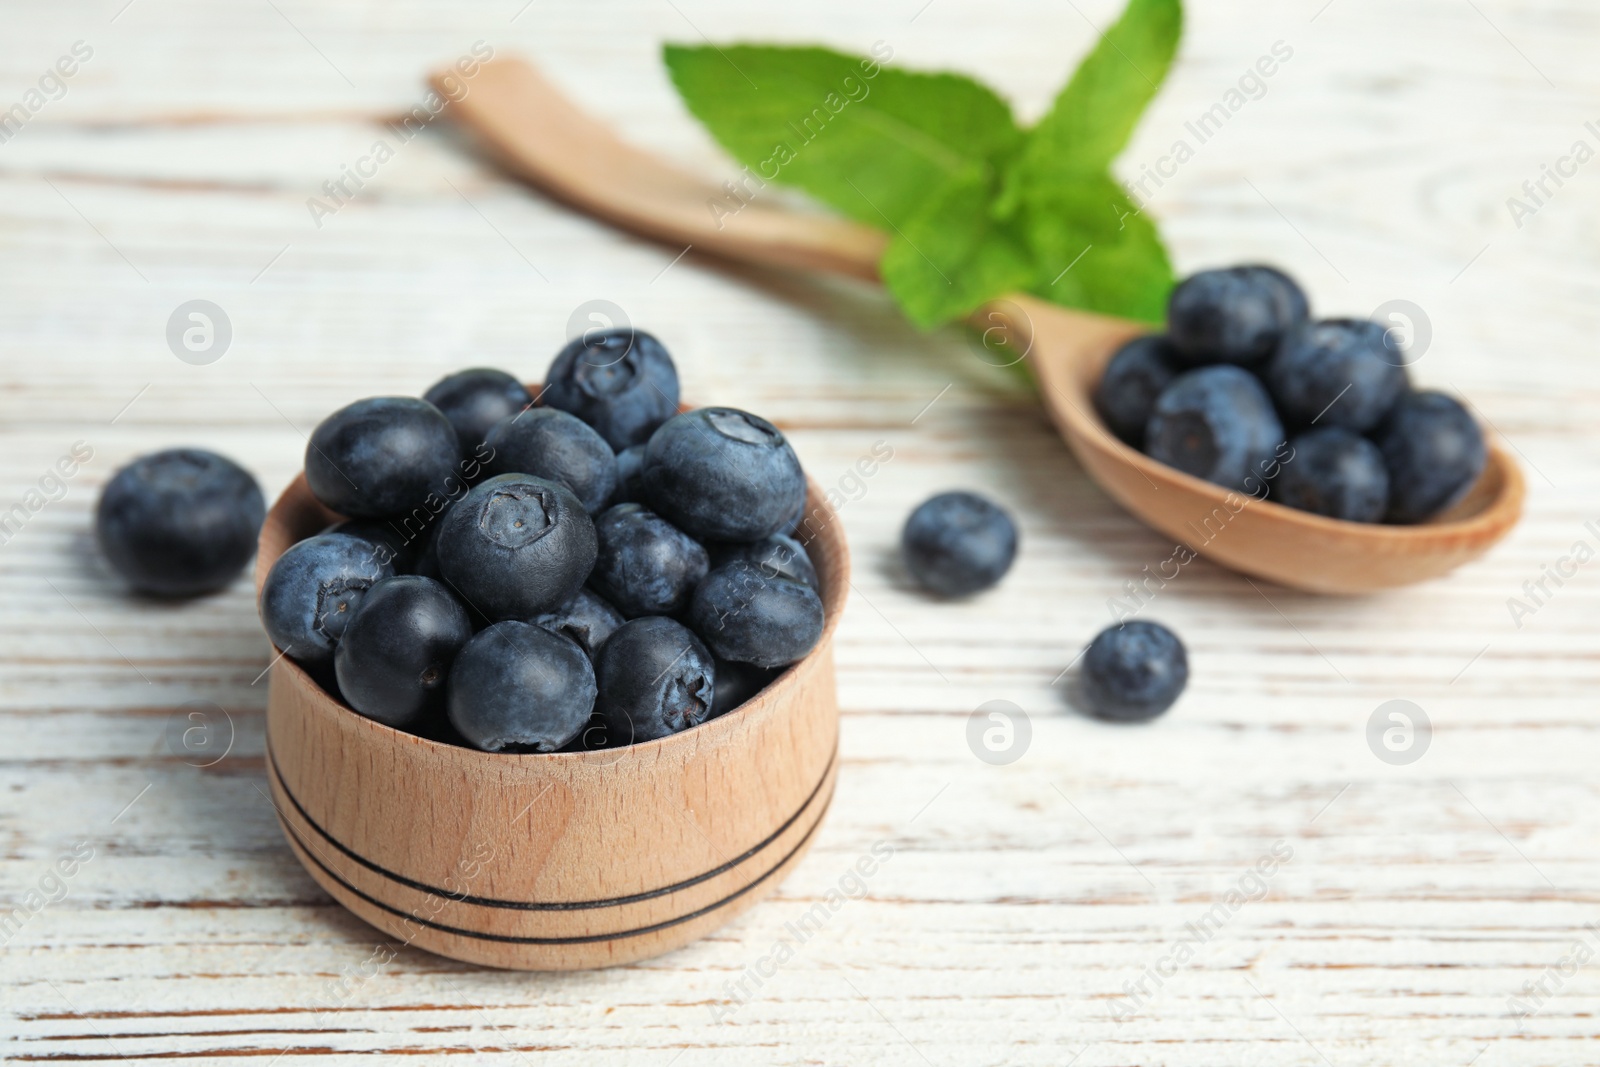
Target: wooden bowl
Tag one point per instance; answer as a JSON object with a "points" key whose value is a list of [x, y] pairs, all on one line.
{"points": [[559, 861]]}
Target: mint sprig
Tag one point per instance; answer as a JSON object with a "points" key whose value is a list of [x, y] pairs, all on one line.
{"points": [[975, 207]]}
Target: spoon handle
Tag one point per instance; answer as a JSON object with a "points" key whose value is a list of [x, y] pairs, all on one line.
{"points": [[538, 135]]}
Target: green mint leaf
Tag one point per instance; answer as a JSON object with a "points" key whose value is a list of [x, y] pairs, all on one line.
{"points": [[1096, 250], [870, 141], [1095, 114], [953, 255]]}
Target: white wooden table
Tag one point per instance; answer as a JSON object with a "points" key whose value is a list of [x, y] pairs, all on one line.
{"points": [[1023, 904]]}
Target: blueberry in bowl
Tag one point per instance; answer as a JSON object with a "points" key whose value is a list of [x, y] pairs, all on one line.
{"points": [[1233, 315], [179, 523], [956, 544], [396, 651], [314, 589], [475, 399], [554, 445], [1135, 377], [1434, 453], [747, 613], [656, 679], [645, 565], [517, 687], [1335, 373], [620, 381], [722, 474], [383, 456], [587, 619], [1336, 473]]}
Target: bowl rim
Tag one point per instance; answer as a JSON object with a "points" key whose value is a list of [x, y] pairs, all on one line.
{"points": [[297, 497]]}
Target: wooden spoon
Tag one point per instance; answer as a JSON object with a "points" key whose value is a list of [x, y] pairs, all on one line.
{"points": [[542, 138]]}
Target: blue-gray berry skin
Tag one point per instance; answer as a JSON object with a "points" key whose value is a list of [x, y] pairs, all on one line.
{"points": [[745, 613], [721, 474], [1217, 423], [393, 544], [382, 456], [395, 654], [516, 546], [313, 591], [557, 446], [181, 522], [645, 565], [1336, 473], [1133, 672], [475, 399], [780, 556], [956, 544], [1434, 452], [630, 461], [1134, 377], [1335, 373], [737, 683], [656, 679], [1231, 315], [587, 619], [621, 381], [1293, 307], [516, 687]]}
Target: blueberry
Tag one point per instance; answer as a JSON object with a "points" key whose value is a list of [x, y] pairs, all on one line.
{"points": [[620, 381], [474, 400], [516, 546], [722, 474], [1132, 380], [646, 565], [1335, 373], [1434, 452], [181, 522], [393, 545], [1134, 671], [516, 687], [1233, 315], [955, 544], [1336, 473], [780, 556], [656, 679], [313, 591], [551, 444], [1216, 423], [737, 683], [630, 461], [1293, 306], [586, 619], [395, 654], [746, 614], [383, 456]]}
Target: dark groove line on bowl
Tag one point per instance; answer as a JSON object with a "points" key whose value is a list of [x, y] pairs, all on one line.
{"points": [[583, 939], [565, 905]]}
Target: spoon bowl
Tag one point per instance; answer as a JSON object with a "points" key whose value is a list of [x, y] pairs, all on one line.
{"points": [[539, 136]]}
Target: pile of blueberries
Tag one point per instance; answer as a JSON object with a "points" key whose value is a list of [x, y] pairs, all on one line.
{"points": [[587, 570], [1247, 391]]}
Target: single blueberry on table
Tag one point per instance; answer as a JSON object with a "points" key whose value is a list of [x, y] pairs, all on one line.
{"points": [[551, 444], [780, 556], [630, 461], [1434, 452], [516, 546], [645, 565], [956, 544], [516, 687], [737, 683], [1335, 373], [383, 456], [1217, 423], [1232, 315], [394, 656], [586, 619], [181, 522], [745, 613], [620, 381], [1133, 672], [721, 474], [1132, 380], [1336, 473], [656, 679], [474, 400], [313, 591]]}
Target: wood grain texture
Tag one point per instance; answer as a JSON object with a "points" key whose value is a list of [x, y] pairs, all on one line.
{"points": [[1017, 901]]}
